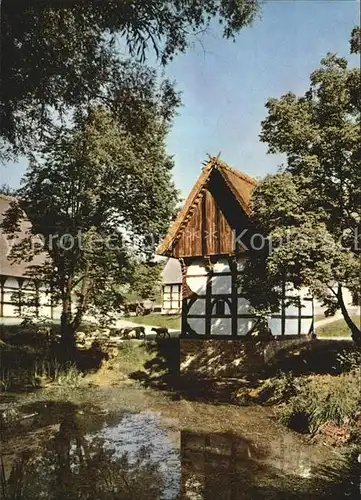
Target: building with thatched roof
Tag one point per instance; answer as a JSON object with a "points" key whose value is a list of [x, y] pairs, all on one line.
{"points": [[20, 293], [210, 238]]}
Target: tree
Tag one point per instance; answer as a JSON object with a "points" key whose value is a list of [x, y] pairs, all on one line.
{"points": [[57, 55], [97, 193], [7, 190], [310, 211], [147, 280]]}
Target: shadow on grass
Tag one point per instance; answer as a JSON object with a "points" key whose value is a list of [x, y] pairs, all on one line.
{"points": [[317, 357], [207, 378], [162, 372]]}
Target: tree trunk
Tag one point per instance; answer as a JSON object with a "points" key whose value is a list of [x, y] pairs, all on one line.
{"points": [[83, 300], [67, 330], [355, 331]]}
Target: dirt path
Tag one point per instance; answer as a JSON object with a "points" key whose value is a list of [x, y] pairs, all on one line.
{"points": [[124, 323]]}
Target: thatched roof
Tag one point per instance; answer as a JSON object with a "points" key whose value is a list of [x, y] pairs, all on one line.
{"points": [[240, 184], [7, 267]]}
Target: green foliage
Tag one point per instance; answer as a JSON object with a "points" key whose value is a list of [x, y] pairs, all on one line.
{"points": [[132, 357], [146, 281], [59, 55], [39, 373], [310, 211], [323, 398], [350, 360], [355, 41], [6, 190], [278, 389], [100, 195]]}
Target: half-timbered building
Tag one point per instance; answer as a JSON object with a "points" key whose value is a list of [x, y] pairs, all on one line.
{"points": [[21, 295], [172, 287], [210, 237]]}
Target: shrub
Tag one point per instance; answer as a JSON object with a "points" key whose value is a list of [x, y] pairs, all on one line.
{"points": [[323, 398], [278, 389], [38, 372], [349, 360]]}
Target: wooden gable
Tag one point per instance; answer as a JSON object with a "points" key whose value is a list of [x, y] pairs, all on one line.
{"points": [[215, 212]]}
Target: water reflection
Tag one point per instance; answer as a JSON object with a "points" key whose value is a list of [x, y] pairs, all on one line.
{"points": [[77, 466], [227, 467], [131, 456]]}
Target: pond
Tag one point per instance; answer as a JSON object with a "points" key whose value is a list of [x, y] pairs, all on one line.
{"points": [[129, 443]]}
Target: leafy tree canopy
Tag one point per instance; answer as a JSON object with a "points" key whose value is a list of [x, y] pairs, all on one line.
{"points": [[311, 210], [61, 54], [7, 190], [99, 192]]}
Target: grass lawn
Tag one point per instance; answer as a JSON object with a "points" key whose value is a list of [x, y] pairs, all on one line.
{"points": [[319, 317], [337, 328], [172, 322]]}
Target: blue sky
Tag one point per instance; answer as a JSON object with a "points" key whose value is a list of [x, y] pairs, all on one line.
{"points": [[225, 85]]}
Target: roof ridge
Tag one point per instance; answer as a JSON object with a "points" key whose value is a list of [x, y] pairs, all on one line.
{"points": [[187, 210], [235, 171]]}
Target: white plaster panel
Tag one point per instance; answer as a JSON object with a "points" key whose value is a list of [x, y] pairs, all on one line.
{"points": [[291, 327], [242, 306], [199, 307], [44, 298], [197, 267], [45, 302], [198, 282], [10, 311], [291, 310], [221, 326], [11, 295], [45, 311], [221, 266], [57, 312], [11, 282], [221, 284], [275, 325], [306, 309], [175, 304], [305, 292], [306, 326], [244, 325], [198, 325]]}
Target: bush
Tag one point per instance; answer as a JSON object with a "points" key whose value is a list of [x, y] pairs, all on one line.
{"points": [[278, 389], [349, 360], [39, 374], [321, 399]]}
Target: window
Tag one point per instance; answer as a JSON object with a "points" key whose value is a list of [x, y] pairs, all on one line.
{"points": [[172, 296]]}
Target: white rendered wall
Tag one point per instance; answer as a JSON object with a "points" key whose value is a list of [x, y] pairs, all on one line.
{"points": [[198, 275]]}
